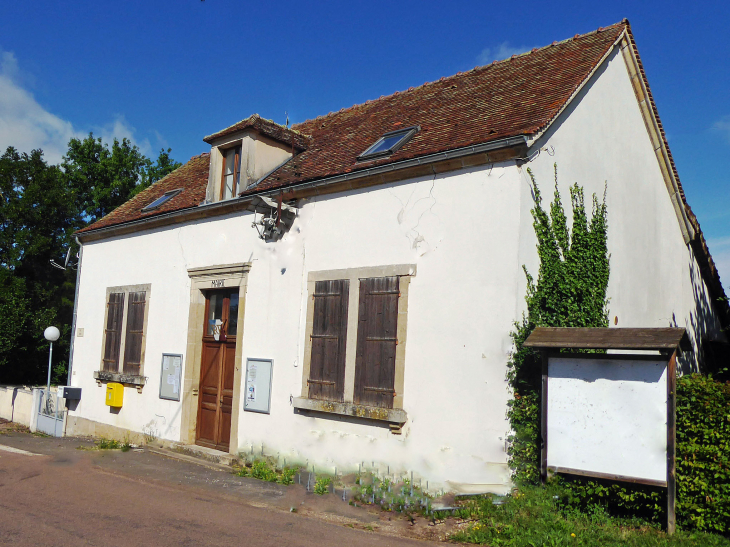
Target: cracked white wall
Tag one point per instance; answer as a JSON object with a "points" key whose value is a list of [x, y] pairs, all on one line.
{"points": [[469, 232], [458, 228], [601, 139]]}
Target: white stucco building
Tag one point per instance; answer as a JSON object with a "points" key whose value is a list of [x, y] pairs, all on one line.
{"points": [[383, 296]]}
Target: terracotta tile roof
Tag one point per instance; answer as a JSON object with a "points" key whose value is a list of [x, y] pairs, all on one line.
{"points": [[265, 127], [191, 177], [517, 96]]}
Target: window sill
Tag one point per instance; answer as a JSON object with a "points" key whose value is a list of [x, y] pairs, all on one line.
{"points": [[390, 415], [127, 379]]}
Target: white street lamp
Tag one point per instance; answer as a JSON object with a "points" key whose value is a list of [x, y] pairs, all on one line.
{"points": [[51, 334]]}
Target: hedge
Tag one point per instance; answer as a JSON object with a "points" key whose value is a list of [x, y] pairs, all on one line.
{"points": [[703, 453]]}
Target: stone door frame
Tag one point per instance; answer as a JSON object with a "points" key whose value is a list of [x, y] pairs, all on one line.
{"points": [[211, 277]]}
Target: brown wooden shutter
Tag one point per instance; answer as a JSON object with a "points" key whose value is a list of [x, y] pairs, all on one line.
{"points": [[133, 339], [376, 342], [329, 338], [113, 332]]}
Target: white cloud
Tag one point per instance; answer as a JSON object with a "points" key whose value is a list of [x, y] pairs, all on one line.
{"points": [[723, 126], [502, 51], [119, 129], [26, 125]]}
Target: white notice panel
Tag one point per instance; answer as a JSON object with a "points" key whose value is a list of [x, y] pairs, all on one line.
{"points": [[608, 416], [170, 379], [257, 397]]}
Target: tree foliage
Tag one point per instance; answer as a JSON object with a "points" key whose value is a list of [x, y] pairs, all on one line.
{"points": [[41, 206], [103, 178], [37, 218], [570, 291]]}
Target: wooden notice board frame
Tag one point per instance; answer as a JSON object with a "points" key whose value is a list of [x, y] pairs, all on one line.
{"points": [[552, 341]]}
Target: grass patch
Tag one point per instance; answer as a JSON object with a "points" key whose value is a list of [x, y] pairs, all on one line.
{"points": [[263, 470], [108, 444], [322, 485], [536, 515]]}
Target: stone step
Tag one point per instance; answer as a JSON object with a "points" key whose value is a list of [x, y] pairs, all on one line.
{"points": [[204, 453]]}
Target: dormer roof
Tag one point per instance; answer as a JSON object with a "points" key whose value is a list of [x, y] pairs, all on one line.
{"points": [[268, 128]]}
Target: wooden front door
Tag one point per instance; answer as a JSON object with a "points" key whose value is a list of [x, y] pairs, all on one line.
{"points": [[215, 403]]}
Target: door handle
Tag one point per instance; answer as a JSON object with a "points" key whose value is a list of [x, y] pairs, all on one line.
{"points": [[221, 401]]}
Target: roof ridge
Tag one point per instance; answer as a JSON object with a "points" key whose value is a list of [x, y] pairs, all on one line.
{"points": [[623, 22]]}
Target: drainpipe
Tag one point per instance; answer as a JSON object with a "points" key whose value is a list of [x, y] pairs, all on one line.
{"points": [[73, 325], [76, 303]]}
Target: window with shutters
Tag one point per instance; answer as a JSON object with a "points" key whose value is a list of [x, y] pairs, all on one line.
{"points": [[355, 348], [328, 340], [377, 338], [123, 342]]}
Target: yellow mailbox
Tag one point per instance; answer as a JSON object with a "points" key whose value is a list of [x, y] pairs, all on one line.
{"points": [[114, 394]]}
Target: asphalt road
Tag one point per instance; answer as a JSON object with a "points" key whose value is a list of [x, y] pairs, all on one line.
{"points": [[67, 496]]}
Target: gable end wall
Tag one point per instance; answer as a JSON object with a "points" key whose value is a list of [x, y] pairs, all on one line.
{"points": [[655, 279]]}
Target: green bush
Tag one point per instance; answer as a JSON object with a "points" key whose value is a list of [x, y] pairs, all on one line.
{"points": [[703, 466], [533, 516], [703, 453]]}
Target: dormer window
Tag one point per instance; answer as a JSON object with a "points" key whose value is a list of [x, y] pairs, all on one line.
{"points": [[231, 177], [388, 143], [160, 201]]}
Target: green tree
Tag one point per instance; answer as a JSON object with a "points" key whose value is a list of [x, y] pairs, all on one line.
{"points": [[41, 206], [103, 178], [570, 291], [38, 215], [155, 171]]}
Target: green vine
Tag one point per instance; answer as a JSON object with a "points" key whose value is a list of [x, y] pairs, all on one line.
{"points": [[570, 291]]}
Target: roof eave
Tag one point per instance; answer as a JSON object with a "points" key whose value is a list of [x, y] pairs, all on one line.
{"points": [[222, 207], [507, 142]]}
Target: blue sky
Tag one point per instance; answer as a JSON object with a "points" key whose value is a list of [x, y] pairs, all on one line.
{"points": [[166, 73]]}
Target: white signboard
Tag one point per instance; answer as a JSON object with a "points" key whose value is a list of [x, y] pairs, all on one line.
{"points": [[170, 378], [257, 395], [608, 416]]}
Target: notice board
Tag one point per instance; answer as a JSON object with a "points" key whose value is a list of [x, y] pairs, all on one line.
{"points": [[607, 415], [170, 376], [257, 397]]}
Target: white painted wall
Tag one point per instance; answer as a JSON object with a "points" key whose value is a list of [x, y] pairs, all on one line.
{"points": [[16, 404], [655, 279], [459, 231], [468, 233]]}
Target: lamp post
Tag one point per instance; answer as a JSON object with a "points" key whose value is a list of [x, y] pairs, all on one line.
{"points": [[51, 334]]}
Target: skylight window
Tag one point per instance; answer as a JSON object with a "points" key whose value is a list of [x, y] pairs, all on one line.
{"points": [[164, 198], [389, 143]]}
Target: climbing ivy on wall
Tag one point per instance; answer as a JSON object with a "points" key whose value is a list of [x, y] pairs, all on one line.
{"points": [[570, 291]]}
